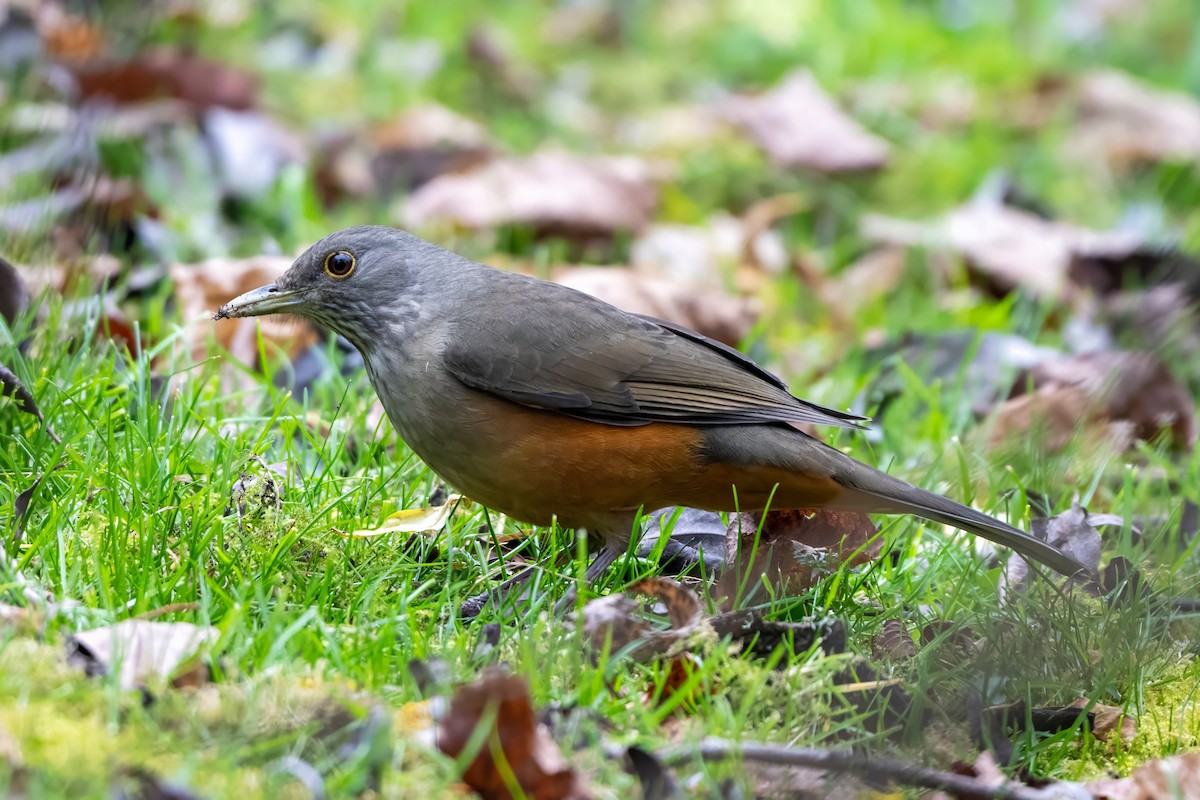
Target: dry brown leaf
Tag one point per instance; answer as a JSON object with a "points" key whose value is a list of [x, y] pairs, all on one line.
{"points": [[676, 673], [401, 154], [1073, 531], [894, 641], [424, 142], [1174, 778], [250, 150], [1160, 317], [67, 36], [201, 288], [711, 312], [794, 548], [139, 650], [516, 742], [800, 127], [875, 274], [169, 73], [1124, 122], [1052, 417], [618, 621], [1117, 397], [1010, 248], [554, 193], [1109, 721], [1135, 387], [708, 254]]}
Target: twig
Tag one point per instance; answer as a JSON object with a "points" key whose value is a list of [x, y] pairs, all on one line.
{"points": [[848, 761]]}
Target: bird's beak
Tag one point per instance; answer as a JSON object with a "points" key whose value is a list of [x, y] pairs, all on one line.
{"points": [[261, 301]]}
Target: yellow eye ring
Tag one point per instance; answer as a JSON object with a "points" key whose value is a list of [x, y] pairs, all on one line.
{"points": [[340, 264]]}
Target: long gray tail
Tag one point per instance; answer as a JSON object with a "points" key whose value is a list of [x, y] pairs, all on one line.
{"points": [[893, 496], [868, 489]]}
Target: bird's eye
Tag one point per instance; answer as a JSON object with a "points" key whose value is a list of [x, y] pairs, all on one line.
{"points": [[339, 264]]}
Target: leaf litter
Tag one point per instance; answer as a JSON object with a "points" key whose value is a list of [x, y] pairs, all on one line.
{"points": [[551, 192], [486, 48], [507, 753], [800, 127], [139, 651]]}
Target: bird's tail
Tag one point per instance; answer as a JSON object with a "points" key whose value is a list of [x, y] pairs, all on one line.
{"points": [[809, 473], [872, 490]]}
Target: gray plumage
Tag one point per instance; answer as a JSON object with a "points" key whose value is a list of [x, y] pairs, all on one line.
{"points": [[447, 342]]}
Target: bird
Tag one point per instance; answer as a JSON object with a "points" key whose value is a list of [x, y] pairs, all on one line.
{"points": [[547, 404]]}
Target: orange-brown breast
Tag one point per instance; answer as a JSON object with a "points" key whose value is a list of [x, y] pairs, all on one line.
{"points": [[544, 464]]}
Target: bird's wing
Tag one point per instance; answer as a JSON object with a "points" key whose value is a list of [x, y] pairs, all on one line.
{"points": [[571, 353]]}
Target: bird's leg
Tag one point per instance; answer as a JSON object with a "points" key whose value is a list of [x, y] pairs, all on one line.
{"points": [[473, 605], [608, 553], [604, 559]]}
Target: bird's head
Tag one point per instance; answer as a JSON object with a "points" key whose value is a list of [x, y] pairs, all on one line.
{"points": [[357, 282]]}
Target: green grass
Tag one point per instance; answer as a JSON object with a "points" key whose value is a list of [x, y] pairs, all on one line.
{"points": [[131, 516]]}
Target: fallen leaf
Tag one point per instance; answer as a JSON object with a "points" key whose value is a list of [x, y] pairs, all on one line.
{"points": [[202, 287], [1010, 248], [139, 650], [515, 743], [416, 520], [713, 313], [617, 621], [792, 550], [1160, 317], [799, 127], [67, 36], [168, 73], [1109, 722], [707, 255], [670, 686], [985, 770], [424, 142], [873, 275], [893, 641], [249, 150], [1123, 122], [554, 193], [401, 154], [1131, 396], [696, 537], [1173, 778], [1073, 532], [1051, 418], [1150, 265]]}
